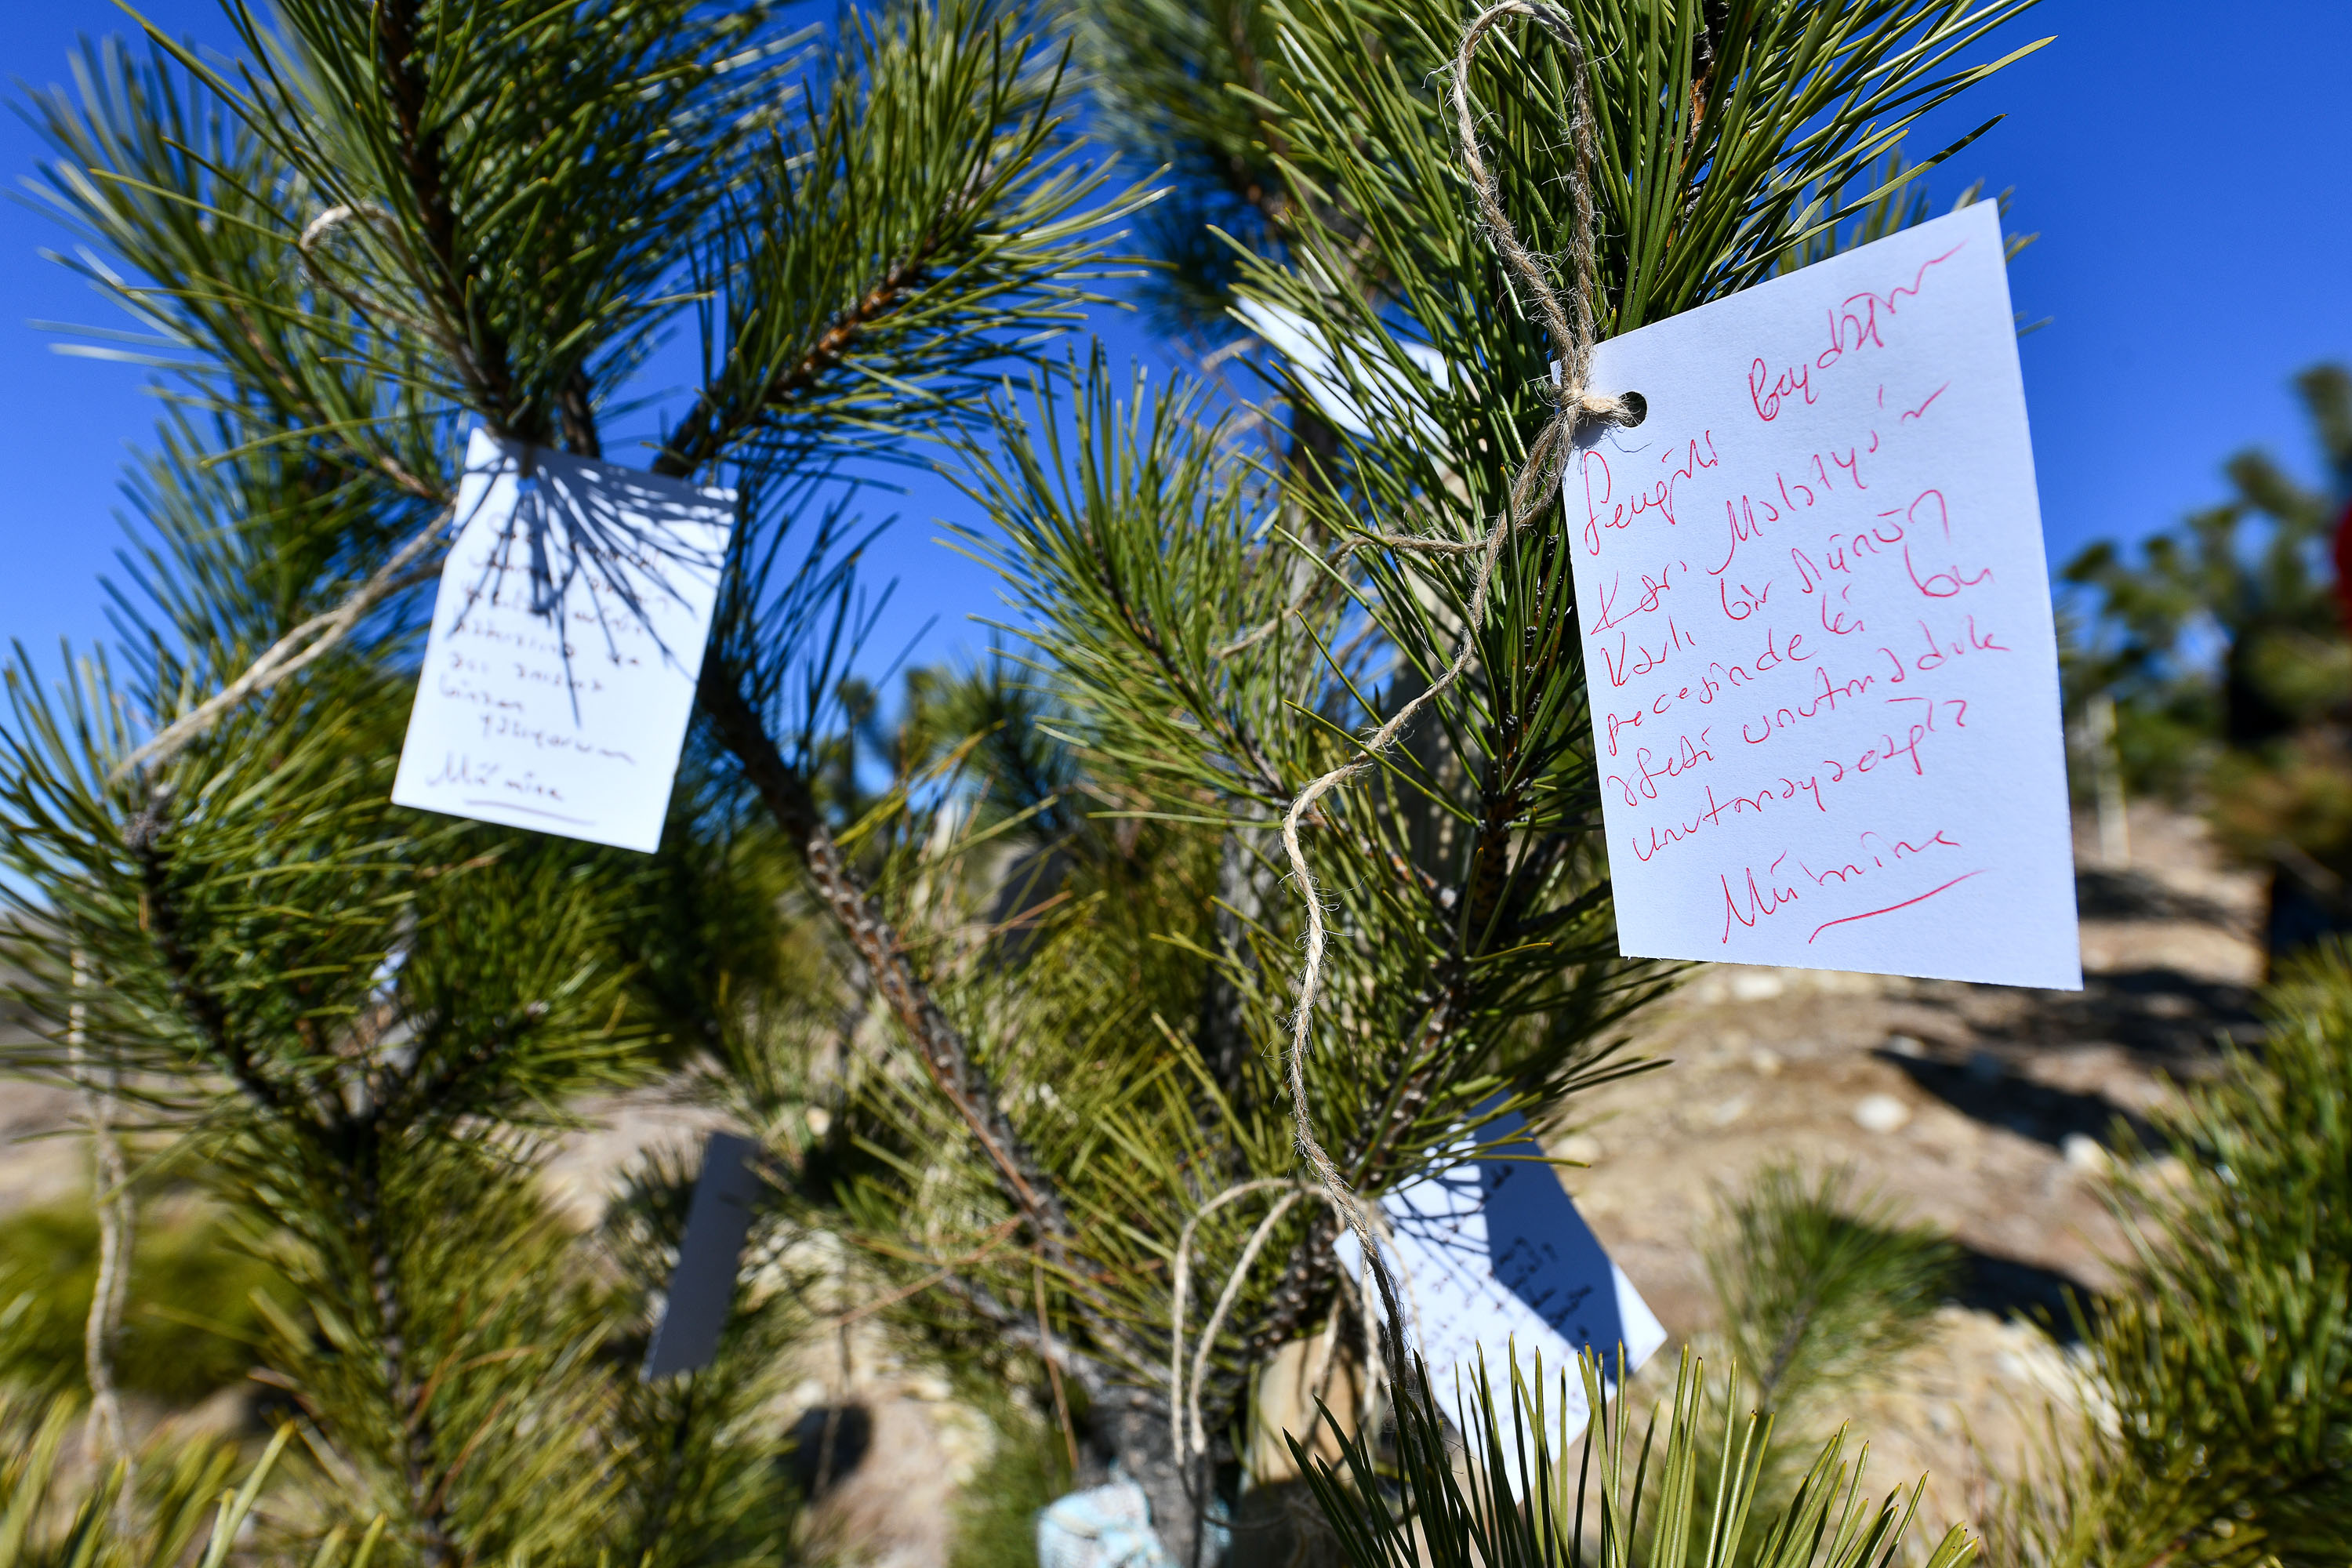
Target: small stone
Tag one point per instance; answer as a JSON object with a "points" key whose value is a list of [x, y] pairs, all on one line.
{"points": [[1583, 1148], [1881, 1113], [1729, 1111], [1756, 987], [819, 1119], [1903, 1045], [1766, 1063], [2083, 1152], [1985, 1067]]}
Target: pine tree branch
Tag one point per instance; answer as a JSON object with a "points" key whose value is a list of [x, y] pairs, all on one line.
{"points": [[945, 1054], [575, 409], [305, 645], [709, 429], [360, 1154], [159, 915], [482, 352]]}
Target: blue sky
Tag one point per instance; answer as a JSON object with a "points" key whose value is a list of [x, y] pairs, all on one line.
{"points": [[2185, 168]]}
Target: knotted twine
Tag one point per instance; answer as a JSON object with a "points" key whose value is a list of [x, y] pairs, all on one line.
{"points": [[1188, 1435], [1570, 326]]}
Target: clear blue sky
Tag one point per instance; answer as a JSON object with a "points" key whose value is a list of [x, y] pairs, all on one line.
{"points": [[2184, 165]]}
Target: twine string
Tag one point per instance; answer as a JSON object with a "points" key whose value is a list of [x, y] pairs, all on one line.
{"points": [[1570, 326], [1187, 1433]]}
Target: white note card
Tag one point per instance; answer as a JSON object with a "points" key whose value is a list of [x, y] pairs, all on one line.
{"points": [[1817, 627], [566, 640], [1495, 1263]]}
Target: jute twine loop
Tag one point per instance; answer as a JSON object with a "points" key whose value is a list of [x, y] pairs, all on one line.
{"points": [[1571, 324], [1188, 1434]]}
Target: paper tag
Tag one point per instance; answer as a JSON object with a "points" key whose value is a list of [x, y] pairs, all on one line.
{"points": [[566, 640], [710, 1254], [1495, 1263], [1817, 627], [1385, 381]]}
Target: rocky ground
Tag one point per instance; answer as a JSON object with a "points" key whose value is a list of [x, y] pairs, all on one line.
{"points": [[1985, 1109]]}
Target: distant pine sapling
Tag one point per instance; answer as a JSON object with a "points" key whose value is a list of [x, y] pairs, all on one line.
{"points": [[2216, 1376]]}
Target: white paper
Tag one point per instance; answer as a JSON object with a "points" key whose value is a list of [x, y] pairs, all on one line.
{"points": [[1817, 627], [1495, 1263], [1388, 384], [566, 639]]}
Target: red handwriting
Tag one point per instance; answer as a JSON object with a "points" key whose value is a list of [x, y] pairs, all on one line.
{"points": [[1657, 708], [1855, 323], [1632, 659], [1751, 599], [1603, 509], [1648, 842], [1648, 769], [1652, 591], [1874, 914], [1936, 654], [1762, 902], [1894, 849], [1864, 703], [1827, 695], [1707, 687], [1911, 414], [1766, 390], [1740, 516], [1945, 584]]}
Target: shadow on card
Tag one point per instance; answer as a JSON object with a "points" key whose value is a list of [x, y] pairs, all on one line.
{"points": [[1545, 1253]]}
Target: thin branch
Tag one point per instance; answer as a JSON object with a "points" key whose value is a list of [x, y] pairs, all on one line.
{"points": [[111, 1195], [943, 1051], [306, 644]]}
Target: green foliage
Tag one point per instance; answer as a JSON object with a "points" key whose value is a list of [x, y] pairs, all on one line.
{"points": [[1509, 1493], [1207, 625], [190, 1327], [996, 1517], [2224, 632], [1820, 1291], [340, 244], [1820, 1288], [1007, 1023], [2219, 1424], [189, 1507]]}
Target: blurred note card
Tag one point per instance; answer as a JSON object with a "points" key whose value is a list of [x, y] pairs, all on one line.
{"points": [[1817, 627], [566, 640], [1495, 1264]]}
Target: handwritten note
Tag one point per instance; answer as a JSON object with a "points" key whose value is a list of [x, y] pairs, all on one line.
{"points": [[1493, 1263], [1817, 627], [566, 639]]}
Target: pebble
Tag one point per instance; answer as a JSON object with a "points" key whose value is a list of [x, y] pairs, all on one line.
{"points": [[2083, 1152], [1757, 988], [1766, 1063], [1881, 1113], [1581, 1147], [1903, 1045]]}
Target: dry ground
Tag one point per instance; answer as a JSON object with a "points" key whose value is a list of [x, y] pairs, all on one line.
{"points": [[1984, 1110]]}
